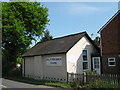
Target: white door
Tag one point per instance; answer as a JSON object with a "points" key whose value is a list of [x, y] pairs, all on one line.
{"points": [[96, 64]]}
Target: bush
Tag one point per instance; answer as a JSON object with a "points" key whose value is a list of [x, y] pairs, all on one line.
{"points": [[77, 84], [16, 72], [92, 72], [103, 84]]}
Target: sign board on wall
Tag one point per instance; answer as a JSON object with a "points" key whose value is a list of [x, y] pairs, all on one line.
{"points": [[54, 61]]}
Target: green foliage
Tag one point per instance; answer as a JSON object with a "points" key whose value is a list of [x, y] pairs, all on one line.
{"points": [[19, 0], [97, 41], [22, 22], [103, 84], [76, 84], [19, 60], [92, 72], [96, 84], [46, 36], [15, 72], [65, 85]]}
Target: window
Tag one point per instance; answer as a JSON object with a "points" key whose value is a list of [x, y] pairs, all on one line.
{"points": [[85, 62], [96, 63], [84, 55], [85, 65], [111, 62]]}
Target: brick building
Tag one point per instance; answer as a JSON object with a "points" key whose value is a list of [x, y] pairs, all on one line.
{"points": [[110, 45]]}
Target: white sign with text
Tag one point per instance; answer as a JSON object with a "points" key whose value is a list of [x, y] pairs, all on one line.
{"points": [[54, 61]]}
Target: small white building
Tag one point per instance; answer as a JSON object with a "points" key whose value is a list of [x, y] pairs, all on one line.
{"points": [[53, 59]]}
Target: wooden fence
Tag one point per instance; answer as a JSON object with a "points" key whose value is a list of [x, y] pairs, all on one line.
{"points": [[83, 78], [75, 77], [88, 78]]}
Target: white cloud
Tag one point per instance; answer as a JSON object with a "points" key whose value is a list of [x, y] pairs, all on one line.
{"points": [[77, 9]]}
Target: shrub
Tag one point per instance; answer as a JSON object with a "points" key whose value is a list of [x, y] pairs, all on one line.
{"points": [[92, 72], [77, 84], [103, 84], [15, 72]]}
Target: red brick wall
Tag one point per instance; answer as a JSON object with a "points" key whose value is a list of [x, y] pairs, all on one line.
{"points": [[110, 43], [110, 38], [107, 69], [119, 31]]}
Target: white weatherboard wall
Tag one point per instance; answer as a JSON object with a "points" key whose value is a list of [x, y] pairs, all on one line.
{"points": [[74, 56], [33, 66], [29, 66], [38, 68], [55, 72]]}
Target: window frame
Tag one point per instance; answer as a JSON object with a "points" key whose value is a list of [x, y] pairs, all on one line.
{"points": [[93, 62], [87, 65], [85, 61], [111, 61]]}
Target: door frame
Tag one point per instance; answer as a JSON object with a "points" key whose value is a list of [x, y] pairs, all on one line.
{"points": [[99, 64]]}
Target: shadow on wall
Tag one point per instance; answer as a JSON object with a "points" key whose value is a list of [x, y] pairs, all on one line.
{"points": [[79, 63]]}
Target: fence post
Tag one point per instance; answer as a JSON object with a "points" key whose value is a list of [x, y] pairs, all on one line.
{"points": [[84, 78], [118, 76], [67, 77]]}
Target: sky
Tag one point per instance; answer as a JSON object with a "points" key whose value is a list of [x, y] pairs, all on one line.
{"points": [[74, 17]]}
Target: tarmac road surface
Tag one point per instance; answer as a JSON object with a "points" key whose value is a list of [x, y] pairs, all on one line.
{"points": [[14, 84]]}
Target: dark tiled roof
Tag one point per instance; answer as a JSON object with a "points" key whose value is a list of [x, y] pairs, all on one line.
{"points": [[55, 46]]}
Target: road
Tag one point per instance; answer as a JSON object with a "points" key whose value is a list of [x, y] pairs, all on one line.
{"points": [[14, 84]]}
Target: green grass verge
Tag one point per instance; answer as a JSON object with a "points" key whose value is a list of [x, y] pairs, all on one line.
{"points": [[41, 82], [64, 85], [103, 84], [96, 84]]}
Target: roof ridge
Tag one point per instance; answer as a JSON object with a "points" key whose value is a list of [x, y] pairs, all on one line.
{"points": [[109, 20], [65, 36], [70, 35]]}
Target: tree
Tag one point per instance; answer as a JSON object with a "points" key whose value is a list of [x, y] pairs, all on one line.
{"points": [[46, 36], [97, 41], [22, 22]]}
